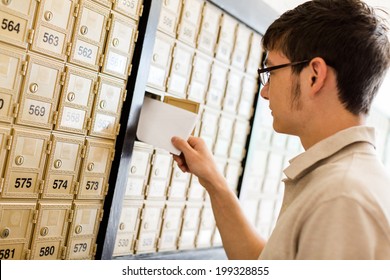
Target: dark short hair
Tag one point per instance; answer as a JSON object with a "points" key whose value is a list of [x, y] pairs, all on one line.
{"points": [[347, 34]]}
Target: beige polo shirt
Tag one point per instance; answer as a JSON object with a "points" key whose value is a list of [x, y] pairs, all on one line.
{"points": [[336, 203]]}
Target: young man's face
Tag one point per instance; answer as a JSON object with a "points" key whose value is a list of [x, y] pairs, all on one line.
{"points": [[284, 94]]}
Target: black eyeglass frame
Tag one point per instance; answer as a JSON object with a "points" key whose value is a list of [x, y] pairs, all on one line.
{"points": [[267, 70]]}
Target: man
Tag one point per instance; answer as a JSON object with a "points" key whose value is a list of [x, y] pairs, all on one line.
{"points": [[325, 62]]}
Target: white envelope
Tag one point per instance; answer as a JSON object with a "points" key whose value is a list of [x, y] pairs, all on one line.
{"points": [[160, 121]]}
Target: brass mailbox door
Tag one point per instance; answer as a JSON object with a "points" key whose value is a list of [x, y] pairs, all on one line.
{"points": [[161, 61], [180, 70], [50, 230], [63, 166], [241, 47], [11, 66], [209, 29], [95, 169], [199, 77], [169, 17], [190, 20], [53, 28], [26, 161], [107, 107], [17, 18], [16, 222], [40, 92], [76, 100], [130, 8], [120, 46], [89, 35], [226, 39]]}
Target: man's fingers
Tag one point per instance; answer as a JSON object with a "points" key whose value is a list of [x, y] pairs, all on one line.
{"points": [[181, 144]]}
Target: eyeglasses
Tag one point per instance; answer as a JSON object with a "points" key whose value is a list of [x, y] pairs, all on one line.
{"points": [[264, 73]]}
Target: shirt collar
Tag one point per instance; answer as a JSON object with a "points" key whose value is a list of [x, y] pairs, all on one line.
{"points": [[327, 148]]}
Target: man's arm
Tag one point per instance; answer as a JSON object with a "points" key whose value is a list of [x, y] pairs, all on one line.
{"points": [[239, 238]]}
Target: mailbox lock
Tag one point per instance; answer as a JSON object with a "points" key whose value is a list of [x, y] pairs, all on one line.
{"points": [[44, 231], [6, 2], [5, 232], [83, 30], [166, 2], [177, 174], [177, 66], [34, 87], [155, 57], [156, 172], [48, 16], [19, 160], [122, 226], [188, 14], [78, 229], [90, 166], [102, 104], [146, 226], [168, 225], [57, 163], [71, 96], [133, 169], [115, 42]]}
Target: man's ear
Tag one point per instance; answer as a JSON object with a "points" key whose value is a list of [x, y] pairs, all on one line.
{"points": [[318, 72]]}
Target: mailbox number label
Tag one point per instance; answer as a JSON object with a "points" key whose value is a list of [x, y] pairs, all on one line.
{"points": [[23, 183], [10, 25], [6, 254]]}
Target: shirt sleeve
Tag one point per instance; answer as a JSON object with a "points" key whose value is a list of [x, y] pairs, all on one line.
{"points": [[341, 228]]}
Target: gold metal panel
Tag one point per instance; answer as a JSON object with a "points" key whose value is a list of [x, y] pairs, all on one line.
{"points": [[63, 166], [120, 46], [16, 221], [40, 92], [130, 8], [53, 28], [11, 65], [89, 35], [95, 169], [27, 157], [76, 100], [17, 18], [107, 107]]}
